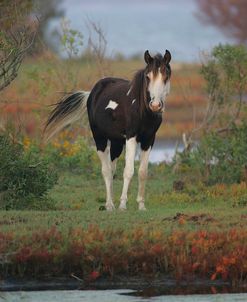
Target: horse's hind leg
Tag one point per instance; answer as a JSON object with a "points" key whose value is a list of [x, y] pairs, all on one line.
{"points": [[142, 177], [115, 152], [104, 155]]}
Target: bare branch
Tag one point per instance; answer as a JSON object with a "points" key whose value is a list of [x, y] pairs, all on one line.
{"points": [[97, 45], [14, 44]]}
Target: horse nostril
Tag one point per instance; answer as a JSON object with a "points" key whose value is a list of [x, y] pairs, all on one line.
{"points": [[155, 105]]}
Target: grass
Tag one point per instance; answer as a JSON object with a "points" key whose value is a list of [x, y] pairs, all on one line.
{"points": [[184, 234], [78, 199]]}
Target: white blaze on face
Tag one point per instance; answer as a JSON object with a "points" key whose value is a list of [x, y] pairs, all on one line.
{"points": [[157, 88], [111, 105]]}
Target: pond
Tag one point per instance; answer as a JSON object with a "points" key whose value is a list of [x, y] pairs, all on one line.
{"points": [[164, 150], [112, 296]]}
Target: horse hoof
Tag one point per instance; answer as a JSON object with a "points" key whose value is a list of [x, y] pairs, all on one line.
{"points": [[142, 207], [110, 207], [122, 208]]}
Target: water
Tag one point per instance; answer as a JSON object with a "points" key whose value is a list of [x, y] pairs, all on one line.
{"points": [[164, 150], [131, 27], [111, 296]]}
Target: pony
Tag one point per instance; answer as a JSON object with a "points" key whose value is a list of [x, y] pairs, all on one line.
{"points": [[121, 113]]}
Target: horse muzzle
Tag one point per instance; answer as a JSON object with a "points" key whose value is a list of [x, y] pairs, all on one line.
{"points": [[156, 106]]}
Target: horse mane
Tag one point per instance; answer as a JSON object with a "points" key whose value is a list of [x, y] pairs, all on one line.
{"points": [[139, 90]]}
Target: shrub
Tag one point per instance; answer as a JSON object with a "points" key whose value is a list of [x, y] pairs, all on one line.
{"points": [[225, 73], [225, 156], [219, 158], [24, 175], [73, 154]]}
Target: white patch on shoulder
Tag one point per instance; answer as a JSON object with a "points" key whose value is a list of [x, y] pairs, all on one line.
{"points": [[111, 105], [129, 91], [133, 101]]}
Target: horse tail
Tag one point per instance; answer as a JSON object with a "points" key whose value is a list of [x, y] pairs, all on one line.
{"points": [[70, 109]]}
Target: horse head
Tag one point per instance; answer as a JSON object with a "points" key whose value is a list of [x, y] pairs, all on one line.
{"points": [[157, 75]]}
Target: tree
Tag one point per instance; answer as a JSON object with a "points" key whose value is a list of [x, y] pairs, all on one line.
{"points": [[16, 37], [18, 28], [228, 15], [14, 13], [46, 10]]}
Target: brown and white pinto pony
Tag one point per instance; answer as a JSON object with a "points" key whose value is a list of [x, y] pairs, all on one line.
{"points": [[120, 112]]}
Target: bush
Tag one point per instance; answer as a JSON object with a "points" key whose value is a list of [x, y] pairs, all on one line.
{"points": [[225, 73], [224, 156], [24, 176], [73, 154], [219, 158]]}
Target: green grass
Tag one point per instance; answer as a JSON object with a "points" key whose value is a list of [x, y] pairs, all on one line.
{"points": [[78, 198], [182, 234]]}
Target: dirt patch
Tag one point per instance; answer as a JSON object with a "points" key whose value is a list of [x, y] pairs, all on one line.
{"points": [[200, 218]]}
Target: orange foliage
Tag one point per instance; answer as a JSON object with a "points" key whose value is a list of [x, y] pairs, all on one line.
{"points": [[93, 251], [228, 192], [181, 101]]}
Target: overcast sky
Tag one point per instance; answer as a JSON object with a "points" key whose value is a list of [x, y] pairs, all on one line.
{"points": [[132, 26]]}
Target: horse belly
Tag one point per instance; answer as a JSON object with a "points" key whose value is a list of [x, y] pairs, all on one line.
{"points": [[111, 123]]}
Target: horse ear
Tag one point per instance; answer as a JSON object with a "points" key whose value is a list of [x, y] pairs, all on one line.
{"points": [[148, 59], [167, 57]]}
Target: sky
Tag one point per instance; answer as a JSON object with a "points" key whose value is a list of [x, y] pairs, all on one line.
{"points": [[132, 26]]}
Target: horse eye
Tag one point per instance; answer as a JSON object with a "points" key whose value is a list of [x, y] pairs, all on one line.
{"points": [[163, 69]]}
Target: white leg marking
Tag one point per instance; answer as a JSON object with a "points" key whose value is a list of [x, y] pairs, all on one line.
{"points": [[111, 105], [128, 170], [133, 101], [107, 174], [142, 177], [114, 166]]}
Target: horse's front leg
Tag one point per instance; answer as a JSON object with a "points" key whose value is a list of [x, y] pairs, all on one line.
{"points": [[128, 170], [142, 178]]}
